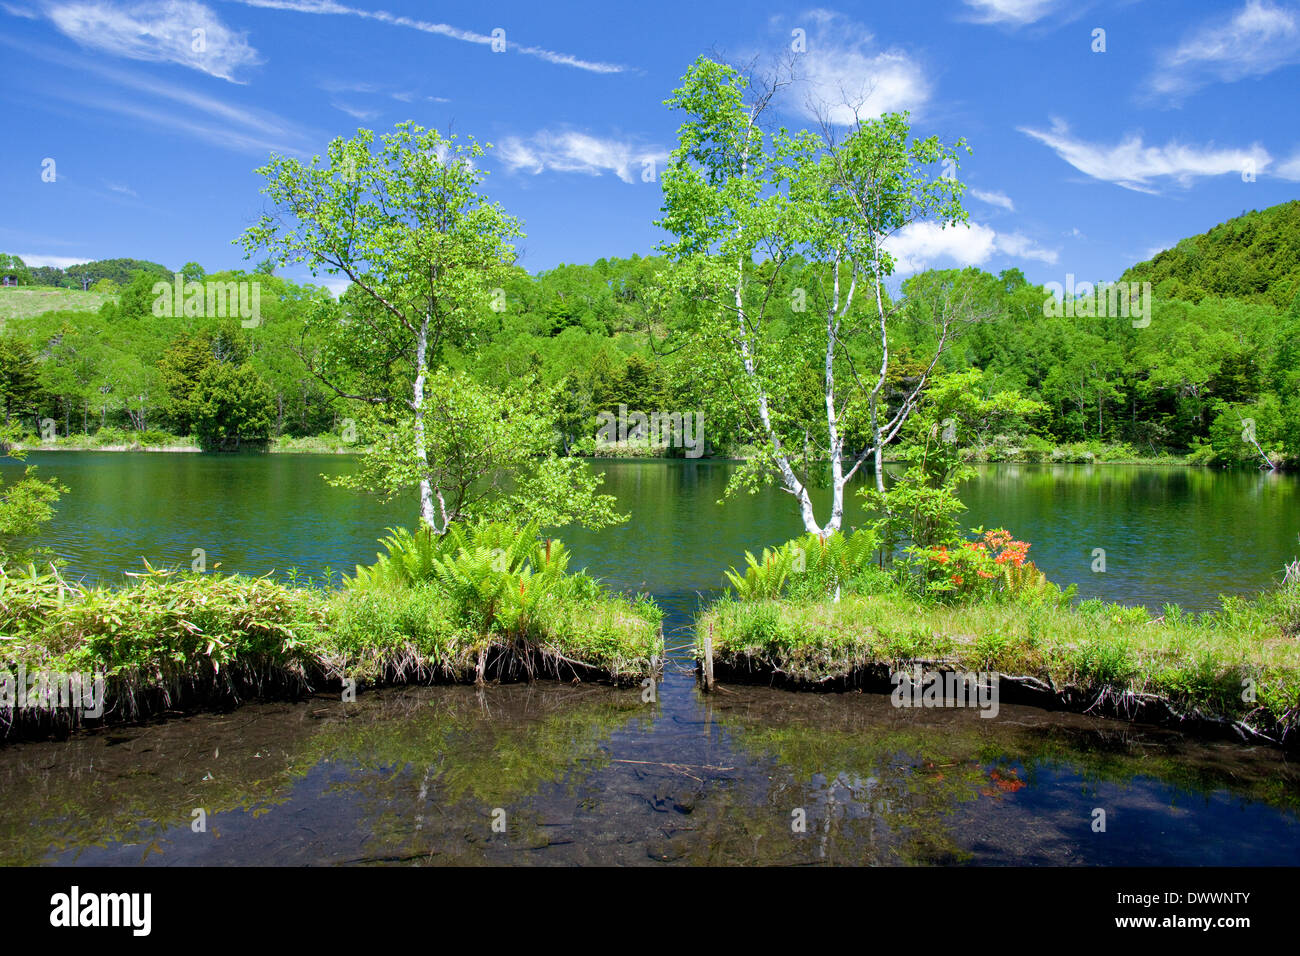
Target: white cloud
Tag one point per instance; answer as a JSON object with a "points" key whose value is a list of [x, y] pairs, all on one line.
{"points": [[1022, 247], [1138, 167], [994, 198], [920, 245], [25, 12], [58, 262], [573, 152], [160, 31], [1289, 168], [124, 189], [356, 112], [1257, 39], [331, 8], [1016, 12], [843, 69]]}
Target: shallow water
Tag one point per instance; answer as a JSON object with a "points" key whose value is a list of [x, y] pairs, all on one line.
{"points": [[587, 774], [590, 774]]}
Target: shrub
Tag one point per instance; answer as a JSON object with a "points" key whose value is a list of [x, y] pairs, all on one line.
{"points": [[810, 566], [992, 564]]}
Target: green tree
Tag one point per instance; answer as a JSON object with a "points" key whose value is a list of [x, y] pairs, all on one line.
{"points": [[20, 385], [14, 267], [490, 455], [745, 208], [231, 406], [26, 506], [425, 252]]}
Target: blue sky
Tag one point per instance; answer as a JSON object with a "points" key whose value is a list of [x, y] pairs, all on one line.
{"points": [[1084, 161]]}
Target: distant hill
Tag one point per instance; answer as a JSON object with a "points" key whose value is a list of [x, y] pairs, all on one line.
{"points": [[83, 275], [1255, 258]]}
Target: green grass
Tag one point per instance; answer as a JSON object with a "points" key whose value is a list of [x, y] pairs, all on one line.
{"points": [[328, 443], [1193, 663], [25, 302], [113, 439]]}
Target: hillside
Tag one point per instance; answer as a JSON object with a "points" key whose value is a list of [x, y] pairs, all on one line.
{"points": [[1254, 258], [23, 303]]}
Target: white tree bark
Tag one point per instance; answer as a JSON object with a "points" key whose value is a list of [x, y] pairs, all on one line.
{"points": [[417, 407]]}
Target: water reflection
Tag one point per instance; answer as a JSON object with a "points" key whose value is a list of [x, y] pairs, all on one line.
{"points": [[1170, 533], [594, 775]]}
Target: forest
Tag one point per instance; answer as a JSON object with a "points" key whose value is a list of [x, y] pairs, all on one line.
{"points": [[1220, 351]]}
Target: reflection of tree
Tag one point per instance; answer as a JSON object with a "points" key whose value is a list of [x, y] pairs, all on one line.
{"points": [[417, 759], [431, 775], [102, 789], [420, 771], [879, 794]]}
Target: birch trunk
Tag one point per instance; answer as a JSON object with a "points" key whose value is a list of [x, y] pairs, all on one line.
{"points": [[417, 406]]}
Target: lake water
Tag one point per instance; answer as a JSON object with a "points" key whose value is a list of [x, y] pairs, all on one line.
{"points": [[1169, 534], [591, 774]]}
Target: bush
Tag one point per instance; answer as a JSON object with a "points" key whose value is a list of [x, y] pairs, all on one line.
{"points": [[990, 566], [110, 435]]}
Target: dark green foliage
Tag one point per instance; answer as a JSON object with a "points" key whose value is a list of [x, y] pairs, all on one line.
{"points": [[1223, 343], [1254, 258]]}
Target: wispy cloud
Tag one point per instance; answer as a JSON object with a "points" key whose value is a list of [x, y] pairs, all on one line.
{"points": [[163, 31], [331, 8], [921, 245], [569, 151], [1255, 40], [124, 189], [356, 112], [27, 13], [356, 88], [1289, 168], [232, 126], [1014, 12], [1002, 200], [844, 70], [1135, 166]]}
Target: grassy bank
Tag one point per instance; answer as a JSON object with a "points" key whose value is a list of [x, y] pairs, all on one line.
{"points": [[1236, 669], [484, 604], [117, 439], [997, 452], [1033, 450]]}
